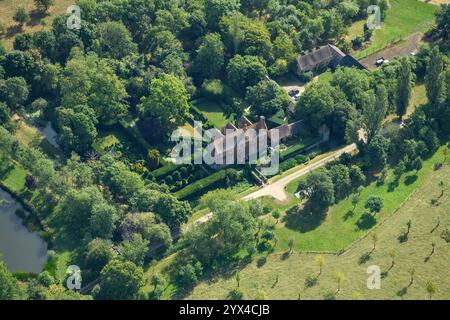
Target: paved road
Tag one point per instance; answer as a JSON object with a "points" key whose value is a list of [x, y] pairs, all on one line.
{"points": [[277, 189]]}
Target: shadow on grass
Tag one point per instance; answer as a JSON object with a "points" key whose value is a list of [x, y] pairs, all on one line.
{"points": [[348, 215], [366, 222], [402, 291], [311, 281], [365, 257], [303, 219]]}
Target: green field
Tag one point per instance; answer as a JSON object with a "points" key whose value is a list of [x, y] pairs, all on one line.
{"points": [[342, 225], [212, 111], [292, 270], [404, 17]]}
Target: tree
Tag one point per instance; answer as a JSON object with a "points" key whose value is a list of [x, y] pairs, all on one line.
{"points": [[320, 261], [443, 22], [149, 227], [404, 87], [431, 288], [357, 176], [238, 279], [216, 9], [291, 245], [115, 40], [14, 92], [102, 221], [374, 204], [267, 98], [98, 254], [5, 114], [122, 182], [354, 83], [321, 190], [210, 57], [339, 277], [412, 272], [21, 16], [134, 249], [231, 229], [44, 5], [76, 209], [245, 71], [316, 106], [374, 111], [417, 164], [374, 237], [433, 79], [77, 128], [341, 180], [9, 286], [120, 280], [392, 254], [172, 211], [376, 152], [167, 101], [276, 215]]}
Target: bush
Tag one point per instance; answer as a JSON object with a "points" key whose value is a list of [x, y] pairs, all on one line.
{"points": [[357, 42], [187, 275]]}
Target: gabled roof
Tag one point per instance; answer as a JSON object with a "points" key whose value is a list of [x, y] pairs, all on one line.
{"points": [[323, 55]]}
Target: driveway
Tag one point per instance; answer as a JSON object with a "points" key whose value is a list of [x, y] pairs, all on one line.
{"points": [[401, 49], [277, 189]]}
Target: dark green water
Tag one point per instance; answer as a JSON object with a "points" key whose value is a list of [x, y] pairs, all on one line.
{"points": [[21, 250]]}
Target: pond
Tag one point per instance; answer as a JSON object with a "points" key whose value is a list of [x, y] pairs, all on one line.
{"points": [[21, 249]]}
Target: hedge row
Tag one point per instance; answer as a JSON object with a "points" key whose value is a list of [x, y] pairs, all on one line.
{"points": [[201, 184]]}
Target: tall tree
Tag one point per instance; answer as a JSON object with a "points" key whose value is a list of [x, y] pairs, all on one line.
{"points": [[210, 56], [120, 280], [167, 101], [374, 111], [404, 87], [433, 79]]}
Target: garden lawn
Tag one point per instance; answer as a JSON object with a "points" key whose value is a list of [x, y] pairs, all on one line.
{"points": [[212, 111], [292, 270], [341, 225], [404, 17]]}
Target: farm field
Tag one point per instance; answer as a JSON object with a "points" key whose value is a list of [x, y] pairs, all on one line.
{"points": [[404, 17], [414, 253]]}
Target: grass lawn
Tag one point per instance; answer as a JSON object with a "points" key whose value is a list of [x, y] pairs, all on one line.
{"points": [[104, 141], [292, 270], [32, 137], [212, 111], [418, 97], [8, 7], [342, 225], [404, 17]]}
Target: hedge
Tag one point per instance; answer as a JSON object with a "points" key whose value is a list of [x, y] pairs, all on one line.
{"points": [[201, 184]]}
